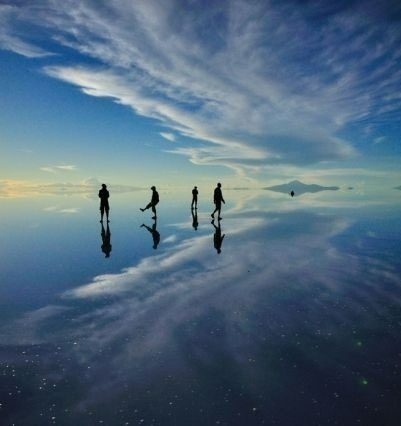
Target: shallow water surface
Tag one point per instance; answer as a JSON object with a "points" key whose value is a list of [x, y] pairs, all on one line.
{"points": [[295, 322]]}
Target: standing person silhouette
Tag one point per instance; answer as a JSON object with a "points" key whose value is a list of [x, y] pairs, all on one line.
{"points": [[218, 198], [104, 202], [106, 244], [194, 198], [153, 202]]}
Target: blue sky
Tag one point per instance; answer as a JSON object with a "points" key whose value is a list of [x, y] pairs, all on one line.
{"points": [[185, 92]]}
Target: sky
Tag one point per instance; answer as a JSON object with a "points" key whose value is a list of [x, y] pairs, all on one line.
{"points": [[179, 93]]}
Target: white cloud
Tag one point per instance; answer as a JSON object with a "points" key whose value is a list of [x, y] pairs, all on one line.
{"points": [[67, 167], [16, 45], [379, 140], [170, 239], [92, 181], [9, 40], [71, 210], [15, 188], [247, 89], [55, 169], [48, 169], [169, 136]]}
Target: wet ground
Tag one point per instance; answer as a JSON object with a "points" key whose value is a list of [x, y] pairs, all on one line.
{"points": [[295, 322]]}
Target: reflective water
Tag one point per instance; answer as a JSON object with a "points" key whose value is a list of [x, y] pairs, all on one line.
{"points": [[295, 322]]}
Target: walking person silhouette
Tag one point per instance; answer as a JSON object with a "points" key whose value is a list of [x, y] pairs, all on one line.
{"points": [[218, 198], [104, 202], [155, 233], [217, 237], [194, 219], [194, 198], [153, 202]]}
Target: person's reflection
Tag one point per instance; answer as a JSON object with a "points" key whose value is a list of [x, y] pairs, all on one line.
{"points": [[217, 237], [106, 246], [154, 232], [194, 219]]}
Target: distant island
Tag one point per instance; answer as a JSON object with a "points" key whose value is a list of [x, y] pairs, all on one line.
{"points": [[398, 187], [300, 188]]}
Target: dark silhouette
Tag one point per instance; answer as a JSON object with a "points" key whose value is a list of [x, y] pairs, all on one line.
{"points": [[194, 218], [153, 202], [104, 202], [106, 246], [194, 198], [154, 232], [217, 237], [218, 198], [292, 193]]}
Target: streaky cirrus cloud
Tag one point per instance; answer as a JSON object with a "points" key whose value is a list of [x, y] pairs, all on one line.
{"points": [[169, 136], [55, 169], [253, 84], [89, 187], [11, 39]]}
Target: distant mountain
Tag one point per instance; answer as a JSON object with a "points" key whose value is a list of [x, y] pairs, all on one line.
{"points": [[300, 188], [398, 187]]}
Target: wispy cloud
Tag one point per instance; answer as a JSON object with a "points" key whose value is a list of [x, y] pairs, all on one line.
{"points": [[169, 136], [379, 139], [15, 188], [10, 39], [48, 169], [67, 167], [56, 209], [257, 88], [170, 239], [54, 169]]}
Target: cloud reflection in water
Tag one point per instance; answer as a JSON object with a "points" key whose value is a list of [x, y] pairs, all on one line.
{"points": [[285, 313]]}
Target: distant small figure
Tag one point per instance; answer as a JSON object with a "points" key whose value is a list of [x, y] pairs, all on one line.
{"points": [[292, 193], [104, 202], [218, 198], [194, 218], [217, 237], [154, 232], [106, 245], [153, 202], [194, 198]]}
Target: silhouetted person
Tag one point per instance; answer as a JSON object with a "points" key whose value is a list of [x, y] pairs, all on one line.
{"points": [[218, 198], [194, 218], [104, 202], [153, 202], [217, 237], [292, 193], [106, 246], [194, 198], [154, 232]]}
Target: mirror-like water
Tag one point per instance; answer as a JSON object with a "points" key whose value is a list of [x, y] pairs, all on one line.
{"points": [[295, 322]]}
